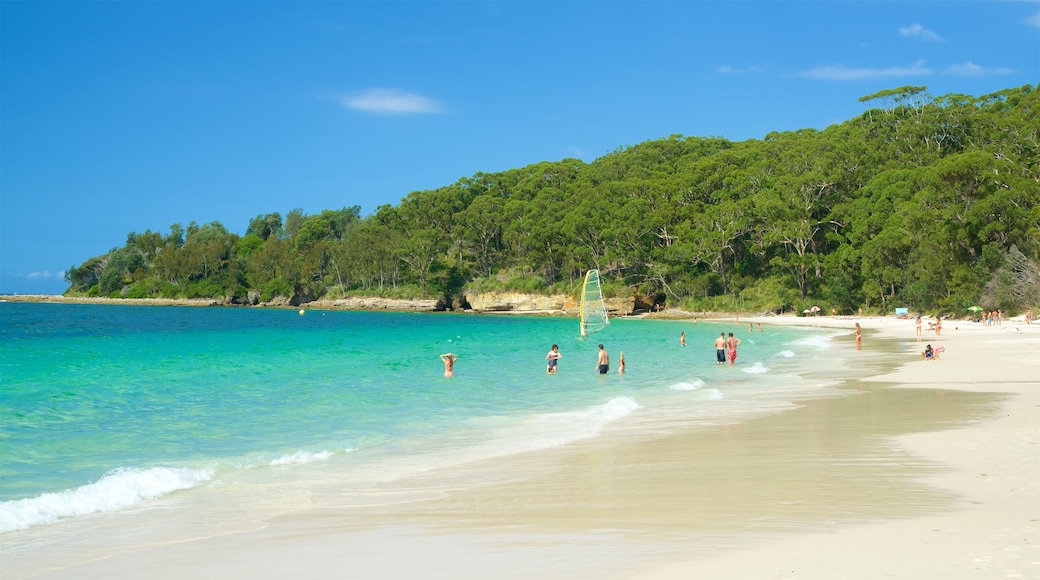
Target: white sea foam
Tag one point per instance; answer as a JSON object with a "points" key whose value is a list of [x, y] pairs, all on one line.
{"points": [[690, 386], [756, 369], [117, 489], [713, 394], [559, 428], [301, 457], [786, 353], [817, 341]]}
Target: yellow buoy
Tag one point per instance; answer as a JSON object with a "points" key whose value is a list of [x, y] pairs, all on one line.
{"points": [[301, 312]]}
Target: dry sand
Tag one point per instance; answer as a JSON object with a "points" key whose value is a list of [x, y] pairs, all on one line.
{"points": [[930, 471]]}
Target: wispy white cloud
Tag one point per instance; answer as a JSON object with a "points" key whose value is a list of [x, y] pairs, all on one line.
{"points": [[45, 275], [839, 72], [970, 69], [390, 101], [918, 31], [732, 70], [577, 152], [1033, 20]]}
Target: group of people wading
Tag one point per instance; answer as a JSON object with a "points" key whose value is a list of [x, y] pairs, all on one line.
{"points": [[726, 348]]}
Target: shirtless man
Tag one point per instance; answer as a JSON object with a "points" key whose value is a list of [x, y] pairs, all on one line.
{"points": [[603, 362], [720, 348], [449, 363], [731, 344]]}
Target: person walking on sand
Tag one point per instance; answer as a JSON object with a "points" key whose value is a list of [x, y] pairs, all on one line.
{"points": [[938, 325], [731, 344], [553, 356], [859, 337], [449, 363], [621, 363], [603, 362], [720, 349], [917, 327], [682, 340]]}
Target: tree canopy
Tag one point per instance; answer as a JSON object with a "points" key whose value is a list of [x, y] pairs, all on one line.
{"points": [[928, 202]]}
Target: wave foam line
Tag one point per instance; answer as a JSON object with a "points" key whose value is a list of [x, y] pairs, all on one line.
{"points": [[690, 386], [301, 457], [756, 369], [118, 489]]}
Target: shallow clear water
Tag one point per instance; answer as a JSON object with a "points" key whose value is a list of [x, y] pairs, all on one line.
{"points": [[108, 407]]}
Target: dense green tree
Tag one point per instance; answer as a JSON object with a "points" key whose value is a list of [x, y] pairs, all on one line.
{"points": [[919, 201]]}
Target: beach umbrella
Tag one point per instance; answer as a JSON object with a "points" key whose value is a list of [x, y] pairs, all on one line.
{"points": [[974, 308], [815, 309]]}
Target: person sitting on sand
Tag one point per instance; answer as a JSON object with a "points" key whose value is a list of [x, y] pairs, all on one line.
{"points": [[449, 363], [928, 353]]}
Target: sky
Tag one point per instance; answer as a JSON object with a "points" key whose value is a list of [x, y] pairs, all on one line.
{"points": [[120, 117]]}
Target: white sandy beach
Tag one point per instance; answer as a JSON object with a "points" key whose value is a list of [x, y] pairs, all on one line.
{"points": [[992, 466], [845, 499]]}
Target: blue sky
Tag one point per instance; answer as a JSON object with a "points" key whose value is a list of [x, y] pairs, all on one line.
{"points": [[118, 117]]}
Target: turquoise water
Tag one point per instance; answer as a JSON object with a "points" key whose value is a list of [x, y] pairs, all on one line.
{"points": [[107, 408]]}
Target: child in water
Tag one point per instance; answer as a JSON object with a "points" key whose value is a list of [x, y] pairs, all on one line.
{"points": [[553, 356]]}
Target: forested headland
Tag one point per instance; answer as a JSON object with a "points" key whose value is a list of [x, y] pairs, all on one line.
{"points": [[926, 202]]}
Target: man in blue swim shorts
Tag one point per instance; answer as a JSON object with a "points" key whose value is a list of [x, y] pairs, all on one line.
{"points": [[603, 362]]}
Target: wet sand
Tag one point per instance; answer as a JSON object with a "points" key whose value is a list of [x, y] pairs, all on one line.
{"points": [[928, 471]]}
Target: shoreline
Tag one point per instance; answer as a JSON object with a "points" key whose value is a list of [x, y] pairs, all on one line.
{"points": [[924, 497], [410, 305]]}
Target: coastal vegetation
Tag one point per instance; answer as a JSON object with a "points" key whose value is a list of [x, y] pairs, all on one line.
{"points": [[921, 201]]}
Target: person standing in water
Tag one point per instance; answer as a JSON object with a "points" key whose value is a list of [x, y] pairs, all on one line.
{"points": [[720, 349], [731, 344], [603, 362], [682, 339], [621, 363], [859, 337], [449, 363], [553, 356]]}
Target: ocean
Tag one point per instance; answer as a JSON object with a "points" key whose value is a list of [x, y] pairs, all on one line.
{"points": [[131, 416]]}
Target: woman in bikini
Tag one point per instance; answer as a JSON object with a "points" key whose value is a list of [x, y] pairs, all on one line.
{"points": [[449, 363]]}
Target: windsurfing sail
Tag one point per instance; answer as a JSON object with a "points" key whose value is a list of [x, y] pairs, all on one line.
{"points": [[593, 311]]}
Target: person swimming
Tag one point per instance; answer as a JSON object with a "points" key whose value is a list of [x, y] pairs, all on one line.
{"points": [[449, 363]]}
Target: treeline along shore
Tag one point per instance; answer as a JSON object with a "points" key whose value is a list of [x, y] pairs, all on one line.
{"points": [[931, 203]]}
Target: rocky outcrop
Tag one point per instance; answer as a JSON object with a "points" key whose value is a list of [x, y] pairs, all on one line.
{"points": [[517, 302], [490, 302], [535, 303], [392, 304]]}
